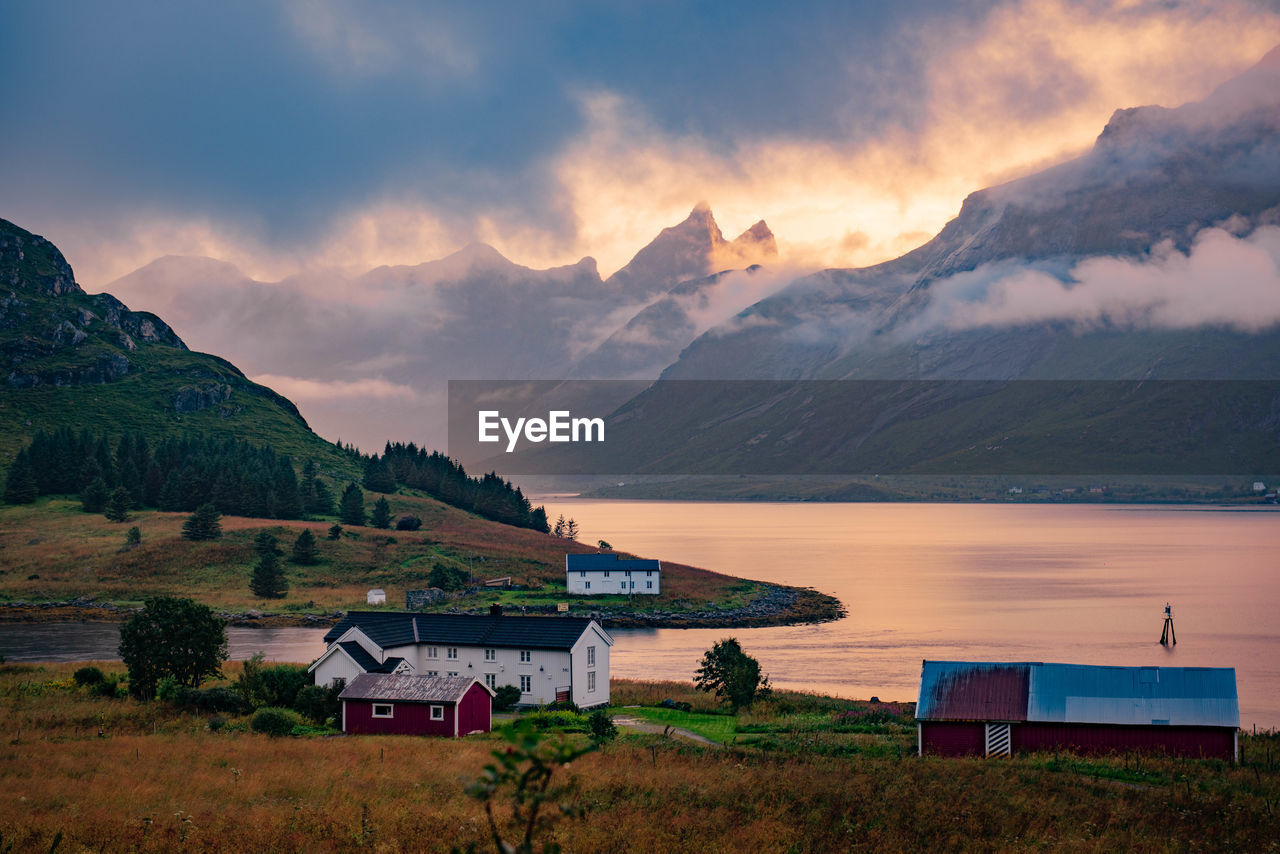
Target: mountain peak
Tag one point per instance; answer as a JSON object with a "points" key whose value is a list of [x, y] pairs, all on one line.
{"points": [[28, 260]]}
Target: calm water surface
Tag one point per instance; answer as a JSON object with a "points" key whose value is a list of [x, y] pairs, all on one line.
{"points": [[1082, 584]]}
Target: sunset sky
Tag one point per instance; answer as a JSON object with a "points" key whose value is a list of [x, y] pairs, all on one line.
{"points": [[292, 135]]}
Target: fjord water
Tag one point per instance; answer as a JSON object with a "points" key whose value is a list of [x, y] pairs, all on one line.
{"points": [[1039, 582], [1084, 584]]}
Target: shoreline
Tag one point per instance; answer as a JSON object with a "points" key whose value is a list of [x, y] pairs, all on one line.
{"points": [[778, 605]]}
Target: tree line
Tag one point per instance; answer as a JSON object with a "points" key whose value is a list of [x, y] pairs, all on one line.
{"points": [[442, 478], [237, 478]]}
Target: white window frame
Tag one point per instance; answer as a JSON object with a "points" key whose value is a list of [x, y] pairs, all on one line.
{"points": [[491, 681], [526, 656], [451, 652], [390, 710], [606, 573], [591, 681], [591, 656], [437, 713], [452, 673], [433, 652], [648, 585], [587, 586], [433, 672], [526, 684], [490, 655]]}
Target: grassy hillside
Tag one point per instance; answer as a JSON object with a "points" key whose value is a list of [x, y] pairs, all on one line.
{"points": [[84, 772], [52, 551]]}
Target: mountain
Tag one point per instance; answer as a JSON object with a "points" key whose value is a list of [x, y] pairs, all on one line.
{"points": [[1099, 313], [368, 355], [69, 358]]}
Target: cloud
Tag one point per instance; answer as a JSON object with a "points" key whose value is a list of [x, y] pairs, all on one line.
{"points": [[1223, 280], [303, 390], [1028, 84]]}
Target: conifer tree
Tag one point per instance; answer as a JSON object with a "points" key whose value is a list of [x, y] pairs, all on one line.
{"points": [[118, 504], [304, 548], [21, 487], [335, 532], [381, 514], [203, 524], [351, 508], [558, 530], [571, 529], [93, 499], [268, 580]]}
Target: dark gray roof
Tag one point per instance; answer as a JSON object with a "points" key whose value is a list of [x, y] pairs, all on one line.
{"points": [[391, 629], [607, 560], [1078, 693], [360, 656], [407, 689]]}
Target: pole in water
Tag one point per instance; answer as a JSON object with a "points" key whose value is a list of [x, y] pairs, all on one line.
{"points": [[1168, 637]]}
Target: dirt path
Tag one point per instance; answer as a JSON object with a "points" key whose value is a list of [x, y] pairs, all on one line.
{"points": [[658, 729]]}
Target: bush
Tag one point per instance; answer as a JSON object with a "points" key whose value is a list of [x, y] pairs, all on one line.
{"points": [[275, 722], [318, 703], [678, 706], [109, 687], [602, 726], [88, 676], [271, 686], [216, 723], [563, 706], [505, 698], [335, 532], [212, 700], [447, 577], [408, 523], [564, 721]]}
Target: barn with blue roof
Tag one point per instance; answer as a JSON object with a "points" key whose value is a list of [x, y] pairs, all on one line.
{"points": [[968, 708], [606, 572]]}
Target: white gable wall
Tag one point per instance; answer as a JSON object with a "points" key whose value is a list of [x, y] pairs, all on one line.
{"points": [[583, 694]]}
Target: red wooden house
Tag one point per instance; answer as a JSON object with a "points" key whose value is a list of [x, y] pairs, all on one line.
{"points": [[390, 704]]}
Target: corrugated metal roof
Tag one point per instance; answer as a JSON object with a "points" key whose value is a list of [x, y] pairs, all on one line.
{"points": [[607, 561], [394, 629], [1078, 693], [407, 689]]}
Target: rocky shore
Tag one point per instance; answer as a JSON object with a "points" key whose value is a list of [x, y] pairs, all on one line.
{"points": [[775, 606]]}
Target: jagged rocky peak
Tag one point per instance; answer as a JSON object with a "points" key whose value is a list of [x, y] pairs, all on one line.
{"points": [[29, 262], [755, 245]]}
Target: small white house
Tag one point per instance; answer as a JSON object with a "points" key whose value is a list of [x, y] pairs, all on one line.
{"points": [[547, 658], [377, 596], [598, 574], [1259, 486]]}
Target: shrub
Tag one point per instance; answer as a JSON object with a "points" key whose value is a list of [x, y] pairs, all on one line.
{"points": [[563, 720], [109, 687], [505, 698], [277, 685], [318, 703], [216, 700], [563, 706], [447, 577], [275, 722], [408, 523], [602, 726], [216, 723], [335, 532], [678, 706], [88, 676]]}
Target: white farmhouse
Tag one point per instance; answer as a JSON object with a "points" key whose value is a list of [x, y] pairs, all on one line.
{"points": [[596, 574], [547, 658]]}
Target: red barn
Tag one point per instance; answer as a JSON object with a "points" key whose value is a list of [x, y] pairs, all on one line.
{"points": [[990, 709], [388, 704]]}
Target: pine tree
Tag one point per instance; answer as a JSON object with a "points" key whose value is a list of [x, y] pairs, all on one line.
{"points": [[268, 580], [378, 476], [351, 508], [134, 537], [382, 513], [558, 530], [21, 487], [203, 524], [335, 532], [571, 529], [94, 497], [118, 505], [265, 543], [304, 548]]}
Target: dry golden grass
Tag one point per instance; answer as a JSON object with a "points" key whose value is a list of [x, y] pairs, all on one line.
{"points": [[161, 781], [51, 551]]}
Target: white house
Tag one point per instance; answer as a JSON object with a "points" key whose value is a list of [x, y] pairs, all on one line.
{"points": [[547, 658], [596, 574]]}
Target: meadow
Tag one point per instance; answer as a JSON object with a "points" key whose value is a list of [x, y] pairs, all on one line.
{"points": [[78, 772], [52, 551]]}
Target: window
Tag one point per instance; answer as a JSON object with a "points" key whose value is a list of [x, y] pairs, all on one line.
{"points": [[526, 684], [452, 673], [437, 713], [582, 574], [382, 710], [587, 586], [433, 652], [526, 656], [490, 655], [606, 573], [451, 652], [591, 680], [628, 573], [491, 680], [649, 585], [591, 656], [433, 672], [648, 572]]}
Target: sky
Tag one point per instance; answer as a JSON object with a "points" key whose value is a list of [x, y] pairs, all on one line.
{"points": [[288, 136]]}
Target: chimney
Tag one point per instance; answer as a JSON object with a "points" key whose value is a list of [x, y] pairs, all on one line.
{"points": [[495, 610]]}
